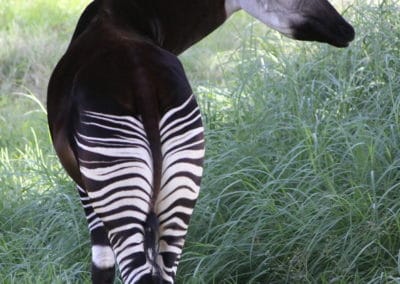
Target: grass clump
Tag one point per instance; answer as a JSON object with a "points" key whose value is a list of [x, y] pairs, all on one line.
{"points": [[302, 171]]}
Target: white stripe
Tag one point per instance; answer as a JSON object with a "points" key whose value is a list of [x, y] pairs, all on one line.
{"points": [[164, 247], [173, 111], [95, 225], [120, 194], [182, 138], [139, 182], [115, 151], [138, 125], [180, 167], [106, 173], [124, 214], [173, 195], [136, 274], [184, 146], [178, 122], [133, 133], [103, 256], [122, 139], [125, 228], [178, 221], [173, 211], [186, 154], [123, 202]]}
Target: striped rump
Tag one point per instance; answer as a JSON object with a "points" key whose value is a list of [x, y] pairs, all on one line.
{"points": [[145, 222]]}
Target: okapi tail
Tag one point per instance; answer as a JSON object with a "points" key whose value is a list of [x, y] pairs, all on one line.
{"points": [[151, 230], [152, 224]]}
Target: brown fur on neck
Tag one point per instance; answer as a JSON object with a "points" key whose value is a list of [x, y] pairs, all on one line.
{"points": [[173, 25]]}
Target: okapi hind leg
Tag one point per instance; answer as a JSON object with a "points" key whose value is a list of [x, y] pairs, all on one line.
{"points": [[182, 147], [103, 260], [116, 168]]}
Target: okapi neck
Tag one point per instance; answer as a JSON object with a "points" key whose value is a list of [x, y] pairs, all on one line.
{"points": [[174, 25]]}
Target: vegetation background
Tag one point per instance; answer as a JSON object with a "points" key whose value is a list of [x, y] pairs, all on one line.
{"points": [[303, 153]]}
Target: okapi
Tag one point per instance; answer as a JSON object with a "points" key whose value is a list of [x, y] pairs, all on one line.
{"points": [[126, 126]]}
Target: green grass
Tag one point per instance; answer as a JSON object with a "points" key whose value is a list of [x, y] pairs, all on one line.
{"points": [[302, 173]]}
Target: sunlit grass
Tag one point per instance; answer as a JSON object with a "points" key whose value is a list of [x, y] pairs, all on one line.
{"points": [[302, 171]]}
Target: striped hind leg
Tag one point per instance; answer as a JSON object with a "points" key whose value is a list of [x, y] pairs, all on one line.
{"points": [[103, 260], [182, 147], [116, 166]]}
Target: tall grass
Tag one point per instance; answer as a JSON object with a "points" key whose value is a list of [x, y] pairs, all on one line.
{"points": [[302, 171], [302, 176]]}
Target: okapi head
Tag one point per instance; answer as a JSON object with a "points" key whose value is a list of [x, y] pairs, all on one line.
{"points": [[311, 20]]}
